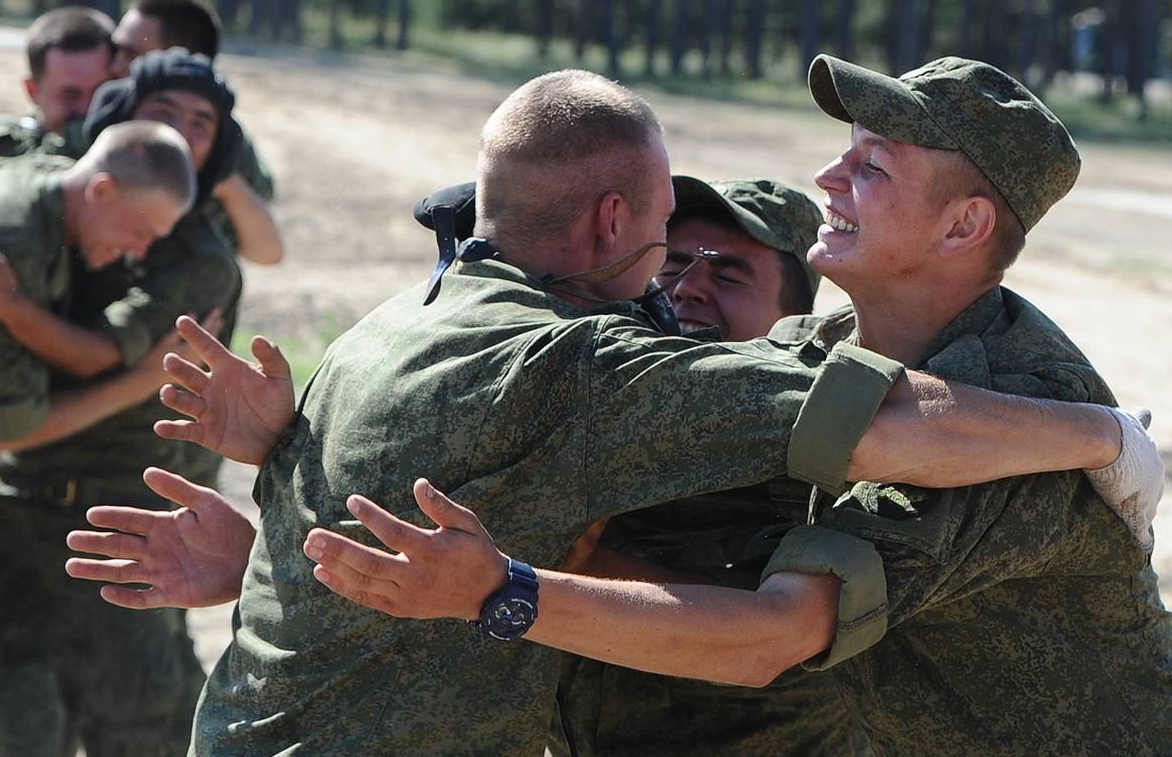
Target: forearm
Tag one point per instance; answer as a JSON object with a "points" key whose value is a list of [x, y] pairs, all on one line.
{"points": [[74, 411], [711, 633], [938, 433], [259, 241], [605, 562], [59, 343]]}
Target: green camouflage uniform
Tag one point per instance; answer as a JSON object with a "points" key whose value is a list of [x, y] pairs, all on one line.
{"points": [[1018, 617], [127, 680], [541, 418], [610, 710]]}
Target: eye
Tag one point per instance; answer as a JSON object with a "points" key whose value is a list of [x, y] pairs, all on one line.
{"points": [[871, 168]]}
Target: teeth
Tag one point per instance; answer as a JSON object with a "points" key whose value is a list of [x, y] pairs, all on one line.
{"points": [[838, 222]]}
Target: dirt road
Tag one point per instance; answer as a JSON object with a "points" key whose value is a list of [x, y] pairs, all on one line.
{"points": [[355, 143]]}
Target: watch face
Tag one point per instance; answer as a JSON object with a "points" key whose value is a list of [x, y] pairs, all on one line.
{"points": [[511, 618]]}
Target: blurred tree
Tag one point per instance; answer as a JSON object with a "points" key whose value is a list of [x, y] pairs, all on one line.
{"points": [[725, 24], [335, 21], [845, 23], [680, 36], [403, 39], [544, 27], [809, 33], [610, 39], [651, 27], [584, 28], [754, 32]]}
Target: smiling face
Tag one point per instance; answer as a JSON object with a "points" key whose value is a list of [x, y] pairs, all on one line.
{"points": [[64, 89], [118, 223], [740, 291], [883, 217], [190, 114]]}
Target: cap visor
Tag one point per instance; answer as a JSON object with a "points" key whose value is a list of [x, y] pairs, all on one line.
{"points": [[877, 102], [692, 194]]}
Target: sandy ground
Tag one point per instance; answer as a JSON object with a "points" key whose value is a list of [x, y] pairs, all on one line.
{"points": [[354, 143]]}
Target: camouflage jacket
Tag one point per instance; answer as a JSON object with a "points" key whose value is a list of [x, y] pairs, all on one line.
{"points": [[32, 236], [610, 710], [543, 419], [1012, 618], [189, 271]]}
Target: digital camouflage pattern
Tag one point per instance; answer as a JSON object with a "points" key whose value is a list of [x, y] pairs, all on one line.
{"points": [[32, 236], [768, 211], [537, 415], [615, 711], [189, 271], [958, 104], [1018, 617], [127, 681]]}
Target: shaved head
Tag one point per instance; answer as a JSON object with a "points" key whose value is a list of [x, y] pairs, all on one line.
{"points": [[144, 156], [553, 149]]}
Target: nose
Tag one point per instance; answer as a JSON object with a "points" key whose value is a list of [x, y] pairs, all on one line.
{"points": [[691, 286], [833, 177]]}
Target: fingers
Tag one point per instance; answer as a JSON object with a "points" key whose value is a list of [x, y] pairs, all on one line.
{"points": [[205, 345], [107, 543], [181, 401], [110, 571], [271, 360], [441, 509], [130, 520], [177, 489], [134, 599], [397, 534], [186, 373], [180, 431]]}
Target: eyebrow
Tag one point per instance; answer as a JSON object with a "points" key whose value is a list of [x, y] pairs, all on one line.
{"points": [[725, 261], [166, 99], [879, 143]]}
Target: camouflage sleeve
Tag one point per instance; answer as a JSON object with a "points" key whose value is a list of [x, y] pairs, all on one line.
{"points": [[24, 389], [256, 174], [254, 170], [901, 550], [672, 418], [189, 271]]}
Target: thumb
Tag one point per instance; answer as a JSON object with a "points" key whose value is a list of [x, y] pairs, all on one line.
{"points": [[268, 354], [442, 510]]}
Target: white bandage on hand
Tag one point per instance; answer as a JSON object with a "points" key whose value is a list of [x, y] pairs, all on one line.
{"points": [[1133, 484]]}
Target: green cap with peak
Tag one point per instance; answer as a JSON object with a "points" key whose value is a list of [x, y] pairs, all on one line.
{"points": [[959, 104]]}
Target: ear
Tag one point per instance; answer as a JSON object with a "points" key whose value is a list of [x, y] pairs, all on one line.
{"points": [[609, 223], [972, 224], [101, 188], [30, 89]]}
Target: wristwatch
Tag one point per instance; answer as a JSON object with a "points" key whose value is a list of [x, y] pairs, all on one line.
{"points": [[511, 611]]}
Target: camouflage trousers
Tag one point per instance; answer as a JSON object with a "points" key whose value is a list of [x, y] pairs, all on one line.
{"points": [[618, 712], [76, 670]]}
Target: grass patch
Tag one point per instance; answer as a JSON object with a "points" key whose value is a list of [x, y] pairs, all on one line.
{"points": [[303, 349]]}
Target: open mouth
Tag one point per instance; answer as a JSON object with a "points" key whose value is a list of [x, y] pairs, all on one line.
{"points": [[838, 223]]}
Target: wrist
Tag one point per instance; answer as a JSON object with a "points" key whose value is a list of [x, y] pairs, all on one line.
{"points": [[508, 613]]}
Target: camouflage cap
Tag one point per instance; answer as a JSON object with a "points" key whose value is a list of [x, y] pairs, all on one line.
{"points": [[768, 211], [958, 104]]}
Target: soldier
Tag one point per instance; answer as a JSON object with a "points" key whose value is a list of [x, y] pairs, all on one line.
{"points": [[128, 190], [1015, 617], [532, 380], [161, 24], [69, 56]]}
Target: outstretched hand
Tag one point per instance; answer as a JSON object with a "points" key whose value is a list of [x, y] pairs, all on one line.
{"points": [[237, 408], [446, 572], [191, 557]]}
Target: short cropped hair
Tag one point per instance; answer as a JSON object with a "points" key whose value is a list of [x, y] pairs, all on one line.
{"points": [[184, 23], [960, 177], [144, 156], [71, 29], [795, 296], [554, 148]]}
